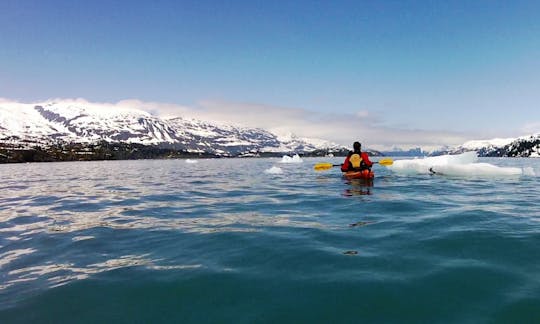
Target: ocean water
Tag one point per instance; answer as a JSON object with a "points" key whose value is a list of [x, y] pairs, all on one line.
{"points": [[223, 241]]}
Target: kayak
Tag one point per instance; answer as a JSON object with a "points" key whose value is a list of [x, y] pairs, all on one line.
{"points": [[364, 174]]}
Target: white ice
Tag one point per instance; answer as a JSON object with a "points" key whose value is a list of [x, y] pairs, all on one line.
{"points": [[191, 161], [461, 165], [294, 159], [274, 170], [477, 170], [422, 165]]}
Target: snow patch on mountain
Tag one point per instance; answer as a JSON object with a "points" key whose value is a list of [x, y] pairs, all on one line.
{"points": [[524, 146], [479, 144], [78, 121]]}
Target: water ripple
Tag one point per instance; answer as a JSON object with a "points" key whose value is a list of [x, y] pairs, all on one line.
{"points": [[62, 223]]}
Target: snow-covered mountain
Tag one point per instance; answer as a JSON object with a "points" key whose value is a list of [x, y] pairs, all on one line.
{"points": [[525, 146], [82, 122]]}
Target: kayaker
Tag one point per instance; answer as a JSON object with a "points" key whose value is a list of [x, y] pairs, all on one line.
{"points": [[356, 160]]}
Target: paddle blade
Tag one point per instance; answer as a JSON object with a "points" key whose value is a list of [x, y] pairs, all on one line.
{"points": [[323, 166], [386, 162]]}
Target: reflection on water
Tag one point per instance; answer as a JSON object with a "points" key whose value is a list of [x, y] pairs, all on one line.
{"points": [[358, 187], [9, 256], [57, 274], [56, 218]]}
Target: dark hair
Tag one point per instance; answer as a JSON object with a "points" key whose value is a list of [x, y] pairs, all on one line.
{"points": [[357, 146]]}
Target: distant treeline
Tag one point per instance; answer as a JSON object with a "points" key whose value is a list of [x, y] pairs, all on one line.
{"points": [[91, 152], [17, 153]]}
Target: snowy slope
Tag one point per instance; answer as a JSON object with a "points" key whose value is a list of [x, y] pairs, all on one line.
{"points": [[479, 144], [524, 146], [83, 122]]}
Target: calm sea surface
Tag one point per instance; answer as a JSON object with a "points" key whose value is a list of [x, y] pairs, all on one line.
{"points": [[221, 241]]}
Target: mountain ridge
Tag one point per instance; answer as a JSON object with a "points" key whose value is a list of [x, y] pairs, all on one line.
{"points": [[123, 132], [71, 123], [523, 146]]}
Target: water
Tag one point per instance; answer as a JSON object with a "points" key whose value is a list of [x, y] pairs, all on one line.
{"points": [[223, 241]]}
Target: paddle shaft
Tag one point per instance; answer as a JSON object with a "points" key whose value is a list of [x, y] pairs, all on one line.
{"points": [[326, 166], [342, 164]]}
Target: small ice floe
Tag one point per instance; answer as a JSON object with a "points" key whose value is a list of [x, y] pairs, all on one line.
{"points": [[294, 159], [273, 170], [191, 161]]}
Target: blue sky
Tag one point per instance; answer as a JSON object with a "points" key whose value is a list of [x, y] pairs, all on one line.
{"points": [[385, 72]]}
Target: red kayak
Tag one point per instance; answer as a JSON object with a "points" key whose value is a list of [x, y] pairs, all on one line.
{"points": [[364, 174]]}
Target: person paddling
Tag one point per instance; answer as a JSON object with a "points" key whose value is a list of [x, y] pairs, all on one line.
{"points": [[356, 160]]}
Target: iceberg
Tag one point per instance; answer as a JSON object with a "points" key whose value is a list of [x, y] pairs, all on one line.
{"points": [[461, 165], [273, 170], [294, 159], [422, 165]]}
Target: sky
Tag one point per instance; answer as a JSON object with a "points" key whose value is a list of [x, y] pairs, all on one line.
{"points": [[386, 73]]}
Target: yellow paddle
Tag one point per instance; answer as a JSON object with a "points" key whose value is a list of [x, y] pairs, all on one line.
{"points": [[326, 166], [385, 162]]}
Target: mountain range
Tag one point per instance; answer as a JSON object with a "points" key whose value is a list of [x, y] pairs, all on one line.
{"points": [[524, 146], [56, 122], [79, 129]]}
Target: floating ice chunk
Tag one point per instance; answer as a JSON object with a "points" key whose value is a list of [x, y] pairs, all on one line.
{"points": [[274, 170], [294, 159], [476, 170], [464, 165], [191, 161], [423, 165]]}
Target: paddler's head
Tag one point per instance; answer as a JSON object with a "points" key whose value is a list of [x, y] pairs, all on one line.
{"points": [[357, 146]]}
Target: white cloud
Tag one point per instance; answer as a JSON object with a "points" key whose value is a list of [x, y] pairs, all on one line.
{"points": [[341, 128], [157, 108], [363, 114], [531, 128]]}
